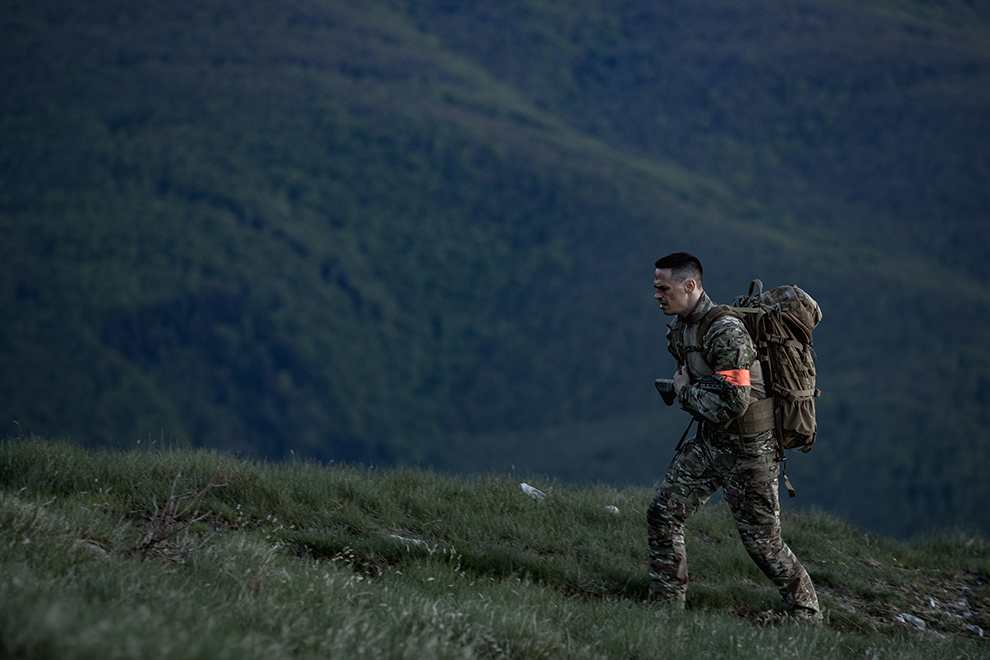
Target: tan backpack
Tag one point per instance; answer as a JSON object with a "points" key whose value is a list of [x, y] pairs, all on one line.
{"points": [[780, 322]]}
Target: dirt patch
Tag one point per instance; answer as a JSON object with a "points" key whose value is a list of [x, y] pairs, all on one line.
{"points": [[935, 605]]}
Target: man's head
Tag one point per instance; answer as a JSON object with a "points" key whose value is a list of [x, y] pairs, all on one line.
{"points": [[677, 283]]}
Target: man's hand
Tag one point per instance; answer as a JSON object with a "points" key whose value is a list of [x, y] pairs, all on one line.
{"points": [[681, 379]]}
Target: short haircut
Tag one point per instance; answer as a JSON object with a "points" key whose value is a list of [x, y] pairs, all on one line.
{"points": [[682, 266]]}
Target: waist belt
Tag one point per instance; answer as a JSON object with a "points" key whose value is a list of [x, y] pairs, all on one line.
{"points": [[758, 418]]}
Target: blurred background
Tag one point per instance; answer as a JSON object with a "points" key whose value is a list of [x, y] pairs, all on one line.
{"points": [[422, 232]]}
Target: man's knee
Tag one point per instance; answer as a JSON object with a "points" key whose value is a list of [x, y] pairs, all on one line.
{"points": [[666, 513], [656, 512], [766, 549], [675, 502]]}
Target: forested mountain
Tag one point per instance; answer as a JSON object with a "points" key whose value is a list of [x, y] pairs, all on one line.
{"points": [[424, 232]]}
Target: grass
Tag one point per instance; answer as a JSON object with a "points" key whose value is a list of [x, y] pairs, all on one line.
{"points": [[307, 560]]}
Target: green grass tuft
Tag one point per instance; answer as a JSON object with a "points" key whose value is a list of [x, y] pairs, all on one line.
{"points": [[315, 561]]}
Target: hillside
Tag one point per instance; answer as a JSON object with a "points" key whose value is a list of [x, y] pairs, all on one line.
{"points": [[305, 560], [822, 110], [414, 233]]}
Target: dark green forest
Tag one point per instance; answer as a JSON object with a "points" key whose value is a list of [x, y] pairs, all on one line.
{"points": [[423, 232]]}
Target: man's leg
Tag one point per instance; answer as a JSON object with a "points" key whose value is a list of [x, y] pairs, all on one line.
{"points": [[688, 484], [751, 493]]}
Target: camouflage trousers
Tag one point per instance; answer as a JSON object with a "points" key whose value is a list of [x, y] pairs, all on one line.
{"points": [[746, 470]]}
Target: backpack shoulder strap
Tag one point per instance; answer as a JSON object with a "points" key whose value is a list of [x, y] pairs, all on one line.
{"points": [[676, 334], [712, 315], [675, 342]]}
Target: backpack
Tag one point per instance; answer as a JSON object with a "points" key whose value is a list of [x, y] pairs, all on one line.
{"points": [[780, 322]]}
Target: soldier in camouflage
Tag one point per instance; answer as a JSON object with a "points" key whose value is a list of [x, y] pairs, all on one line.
{"points": [[726, 452]]}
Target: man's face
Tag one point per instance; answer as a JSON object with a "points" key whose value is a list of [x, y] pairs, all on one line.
{"points": [[674, 297]]}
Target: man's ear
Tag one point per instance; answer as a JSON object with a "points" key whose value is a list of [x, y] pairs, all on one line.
{"points": [[689, 285]]}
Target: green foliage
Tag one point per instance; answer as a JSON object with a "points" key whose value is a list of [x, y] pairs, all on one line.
{"points": [[823, 111], [320, 561], [412, 232]]}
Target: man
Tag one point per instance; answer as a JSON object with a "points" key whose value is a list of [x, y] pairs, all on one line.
{"points": [[734, 449]]}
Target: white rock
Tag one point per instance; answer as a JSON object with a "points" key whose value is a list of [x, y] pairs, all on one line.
{"points": [[911, 620], [612, 509], [92, 547], [535, 493], [407, 540]]}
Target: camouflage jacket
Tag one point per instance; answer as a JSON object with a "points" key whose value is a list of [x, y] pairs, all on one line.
{"points": [[727, 347]]}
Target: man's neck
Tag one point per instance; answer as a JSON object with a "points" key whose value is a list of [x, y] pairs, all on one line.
{"points": [[694, 307]]}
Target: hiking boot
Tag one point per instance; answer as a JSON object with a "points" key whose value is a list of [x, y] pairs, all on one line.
{"points": [[812, 618]]}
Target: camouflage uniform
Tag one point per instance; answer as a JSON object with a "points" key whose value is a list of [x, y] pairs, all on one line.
{"points": [[745, 467]]}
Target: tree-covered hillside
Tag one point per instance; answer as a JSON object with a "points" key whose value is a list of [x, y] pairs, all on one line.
{"points": [[424, 232], [824, 110]]}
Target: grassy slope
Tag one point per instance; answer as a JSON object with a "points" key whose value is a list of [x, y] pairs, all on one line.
{"points": [[323, 230], [306, 562]]}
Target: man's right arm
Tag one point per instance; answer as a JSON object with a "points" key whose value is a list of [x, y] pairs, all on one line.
{"points": [[729, 348]]}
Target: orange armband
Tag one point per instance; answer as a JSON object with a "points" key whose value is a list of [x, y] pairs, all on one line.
{"points": [[737, 377]]}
